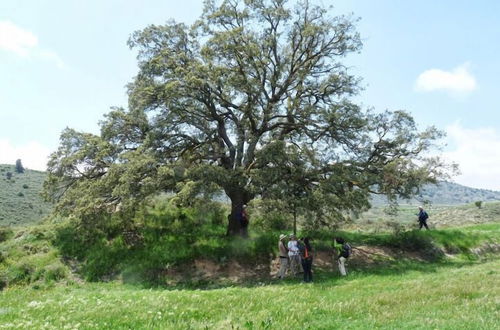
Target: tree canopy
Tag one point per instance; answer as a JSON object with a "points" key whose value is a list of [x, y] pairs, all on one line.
{"points": [[253, 100]]}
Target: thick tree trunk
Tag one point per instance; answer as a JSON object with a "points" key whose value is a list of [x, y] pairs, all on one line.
{"points": [[294, 219], [235, 225]]}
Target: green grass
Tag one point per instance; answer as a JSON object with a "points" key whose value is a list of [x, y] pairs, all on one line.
{"points": [[20, 200], [453, 296], [27, 256]]}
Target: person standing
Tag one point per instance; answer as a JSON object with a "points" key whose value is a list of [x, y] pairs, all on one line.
{"points": [[244, 221], [422, 218], [307, 260], [293, 254], [283, 254], [343, 250]]}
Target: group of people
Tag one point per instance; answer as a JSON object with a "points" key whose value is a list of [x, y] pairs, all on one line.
{"points": [[296, 255], [299, 252]]}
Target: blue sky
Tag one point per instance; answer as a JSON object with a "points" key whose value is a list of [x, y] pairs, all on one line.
{"points": [[63, 63]]}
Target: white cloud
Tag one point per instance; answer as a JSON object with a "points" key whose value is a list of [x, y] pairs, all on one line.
{"points": [[477, 152], [33, 154], [458, 80], [25, 44], [15, 39]]}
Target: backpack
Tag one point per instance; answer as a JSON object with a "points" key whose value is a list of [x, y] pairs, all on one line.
{"points": [[425, 216], [301, 247], [346, 250], [305, 253]]}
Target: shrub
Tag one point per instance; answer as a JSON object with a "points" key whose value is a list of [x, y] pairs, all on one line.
{"points": [[417, 241], [20, 272], [55, 272], [479, 204], [25, 186], [5, 233], [20, 194], [3, 281]]}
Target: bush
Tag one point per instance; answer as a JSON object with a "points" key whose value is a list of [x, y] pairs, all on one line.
{"points": [[55, 272], [417, 241], [20, 194], [21, 273], [5, 233], [25, 186], [3, 281]]}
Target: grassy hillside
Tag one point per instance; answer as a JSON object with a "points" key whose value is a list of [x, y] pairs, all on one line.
{"points": [[41, 289], [20, 200], [435, 297], [446, 193], [439, 216]]}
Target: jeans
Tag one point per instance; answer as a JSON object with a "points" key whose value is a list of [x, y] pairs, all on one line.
{"points": [[307, 266]]}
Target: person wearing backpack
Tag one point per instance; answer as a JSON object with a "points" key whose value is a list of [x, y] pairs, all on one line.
{"points": [[283, 253], [422, 218], [344, 251], [307, 259]]}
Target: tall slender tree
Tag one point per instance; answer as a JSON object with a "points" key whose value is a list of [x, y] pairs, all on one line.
{"points": [[252, 99], [19, 166]]}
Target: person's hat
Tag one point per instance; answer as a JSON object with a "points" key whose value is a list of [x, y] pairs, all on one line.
{"points": [[282, 236]]}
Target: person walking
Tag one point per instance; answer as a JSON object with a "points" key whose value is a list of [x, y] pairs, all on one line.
{"points": [[422, 218], [343, 250], [283, 254], [307, 260], [293, 254]]}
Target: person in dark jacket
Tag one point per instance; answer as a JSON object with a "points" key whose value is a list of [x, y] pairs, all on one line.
{"points": [[422, 218], [307, 259], [342, 251]]}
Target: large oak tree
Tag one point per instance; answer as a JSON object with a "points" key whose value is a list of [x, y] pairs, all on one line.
{"points": [[253, 100]]}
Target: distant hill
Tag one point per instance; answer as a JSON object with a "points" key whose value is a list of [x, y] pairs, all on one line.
{"points": [[20, 200], [446, 193]]}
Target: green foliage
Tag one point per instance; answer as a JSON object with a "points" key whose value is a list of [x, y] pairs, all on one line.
{"points": [[250, 100], [29, 209], [28, 257], [166, 236], [5, 233], [478, 204]]}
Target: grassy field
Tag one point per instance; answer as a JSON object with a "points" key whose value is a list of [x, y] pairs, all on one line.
{"points": [[445, 296]]}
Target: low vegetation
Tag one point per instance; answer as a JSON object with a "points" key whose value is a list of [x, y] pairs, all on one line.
{"points": [[53, 275], [20, 199], [434, 296]]}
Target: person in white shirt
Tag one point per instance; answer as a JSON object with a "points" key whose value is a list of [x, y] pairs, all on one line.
{"points": [[293, 255]]}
